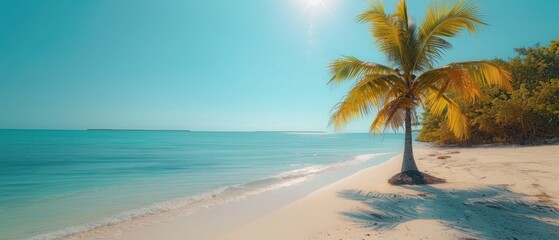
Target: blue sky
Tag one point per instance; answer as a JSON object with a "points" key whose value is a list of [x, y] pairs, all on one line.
{"points": [[207, 65]]}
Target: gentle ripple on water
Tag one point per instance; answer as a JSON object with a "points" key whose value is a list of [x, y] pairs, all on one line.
{"points": [[56, 182]]}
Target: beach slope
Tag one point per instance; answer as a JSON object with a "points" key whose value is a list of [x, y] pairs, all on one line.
{"points": [[492, 192]]}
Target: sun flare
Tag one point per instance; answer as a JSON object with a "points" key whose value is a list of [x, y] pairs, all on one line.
{"points": [[316, 5], [313, 2]]}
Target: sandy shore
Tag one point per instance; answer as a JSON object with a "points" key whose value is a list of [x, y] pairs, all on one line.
{"points": [[492, 193], [502, 192]]}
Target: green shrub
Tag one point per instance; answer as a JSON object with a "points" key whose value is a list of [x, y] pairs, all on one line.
{"points": [[529, 114]]}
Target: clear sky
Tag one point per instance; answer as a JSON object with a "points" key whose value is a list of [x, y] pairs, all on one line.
{"points": [[216, 65]]}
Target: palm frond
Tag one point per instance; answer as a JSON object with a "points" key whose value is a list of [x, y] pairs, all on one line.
{"points": [[353, 68], [386, 30], [366, 94], [438, 104], [392, 114], [485, 73], [402, 12], [454, 80], [463, 79], [444, 20]]}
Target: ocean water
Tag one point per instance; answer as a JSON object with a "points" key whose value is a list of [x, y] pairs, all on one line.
{"points": [[56, 183]]}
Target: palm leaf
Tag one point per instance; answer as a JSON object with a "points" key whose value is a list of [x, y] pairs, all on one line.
{"points": [[463, 79], [386, 30], [353, 68], [392, 114], [456, 121], [444, 20], [486, 73], [366, 94]]}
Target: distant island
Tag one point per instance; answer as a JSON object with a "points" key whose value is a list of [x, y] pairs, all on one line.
{"points": [[108, 129], [307, 132]]}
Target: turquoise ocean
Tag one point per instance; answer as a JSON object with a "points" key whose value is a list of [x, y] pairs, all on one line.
{"points": [[56, 183]]}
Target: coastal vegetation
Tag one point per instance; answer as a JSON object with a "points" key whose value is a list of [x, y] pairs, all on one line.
{"points": [[411, 80], [529, 114]]}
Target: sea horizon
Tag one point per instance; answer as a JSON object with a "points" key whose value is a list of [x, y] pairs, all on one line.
{"points": [[189, 130], [56, 183]]}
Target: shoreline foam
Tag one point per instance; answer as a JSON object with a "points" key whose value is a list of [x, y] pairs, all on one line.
{"points": [[182, 207], [492, 193]]}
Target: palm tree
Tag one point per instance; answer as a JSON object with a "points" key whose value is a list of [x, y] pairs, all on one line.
{"points": [[412, 81]]}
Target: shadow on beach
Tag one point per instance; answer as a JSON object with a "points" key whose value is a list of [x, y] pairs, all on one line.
{"points": [[488, 213]]}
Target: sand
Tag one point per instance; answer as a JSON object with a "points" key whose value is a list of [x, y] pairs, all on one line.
{"points": [[502, 192]]}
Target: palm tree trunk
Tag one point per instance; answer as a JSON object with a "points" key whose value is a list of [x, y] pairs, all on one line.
{"points": [[408, 163]]}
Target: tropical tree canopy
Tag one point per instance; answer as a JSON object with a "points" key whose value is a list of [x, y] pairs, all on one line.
{"points": [[410, 79], [527, 115]]}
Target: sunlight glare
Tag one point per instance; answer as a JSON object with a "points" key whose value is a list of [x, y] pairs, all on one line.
{"points": [[316, 5]]}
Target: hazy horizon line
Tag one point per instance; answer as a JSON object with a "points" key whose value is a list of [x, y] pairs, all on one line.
{"points": [[188, 130]]}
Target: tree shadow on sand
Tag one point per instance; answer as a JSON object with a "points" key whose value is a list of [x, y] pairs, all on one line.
{"points": [[487, 213]]}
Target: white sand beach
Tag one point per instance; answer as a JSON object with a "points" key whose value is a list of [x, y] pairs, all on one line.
{"points": [[503, 192]]}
